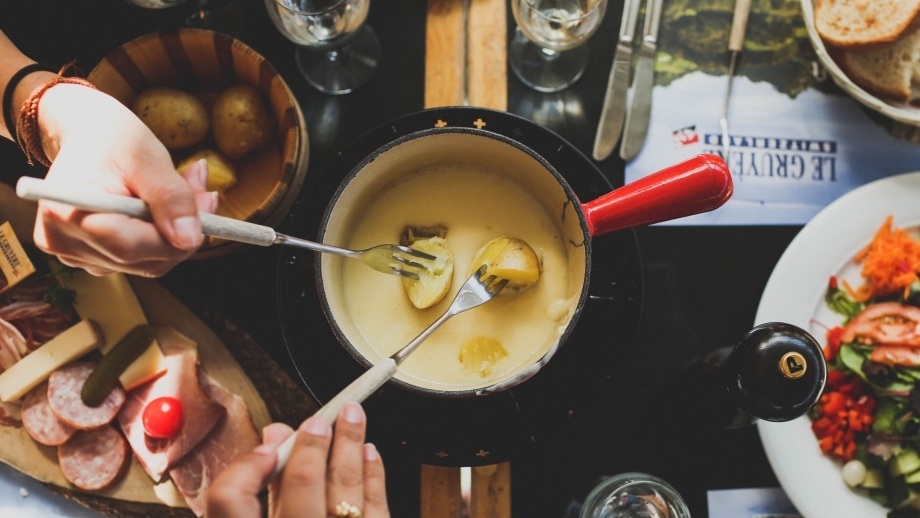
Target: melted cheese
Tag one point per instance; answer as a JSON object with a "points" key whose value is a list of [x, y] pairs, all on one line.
{"points": [[474, 206]]}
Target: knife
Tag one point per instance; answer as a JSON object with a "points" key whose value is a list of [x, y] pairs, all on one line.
{"points": [[735, 44], [640, 109], [611, 124]]}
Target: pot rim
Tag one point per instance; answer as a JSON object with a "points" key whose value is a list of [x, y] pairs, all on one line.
{"points": [[523, 374]]}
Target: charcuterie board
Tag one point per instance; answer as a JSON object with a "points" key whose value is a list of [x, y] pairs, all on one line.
{"points": [[136, 491]]}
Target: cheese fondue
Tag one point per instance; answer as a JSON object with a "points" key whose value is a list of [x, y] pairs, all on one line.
{"points": [[475, 207]]}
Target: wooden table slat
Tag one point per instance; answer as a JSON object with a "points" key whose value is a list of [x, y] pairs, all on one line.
{"points": [[440, 497], [445, 42], [487, 51]]}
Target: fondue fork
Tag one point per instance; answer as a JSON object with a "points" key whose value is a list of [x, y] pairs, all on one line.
{"points": [[474, 292], [389, 259]]}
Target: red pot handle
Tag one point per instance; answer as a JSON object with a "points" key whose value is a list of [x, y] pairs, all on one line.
{"points": [[700, 184]]}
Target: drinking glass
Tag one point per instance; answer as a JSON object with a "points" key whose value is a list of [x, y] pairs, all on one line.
{"points": [[336, 52], [219, 15], [547, 52], [634, 495]]}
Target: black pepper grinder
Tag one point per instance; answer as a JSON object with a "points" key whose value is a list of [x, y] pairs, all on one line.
{"points": [[775, 373]]}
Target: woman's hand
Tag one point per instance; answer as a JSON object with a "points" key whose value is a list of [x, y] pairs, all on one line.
{"points": [[95, 142], [351, 485]]}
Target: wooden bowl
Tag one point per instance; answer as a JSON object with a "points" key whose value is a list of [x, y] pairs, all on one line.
{"points": [[204, 63]]}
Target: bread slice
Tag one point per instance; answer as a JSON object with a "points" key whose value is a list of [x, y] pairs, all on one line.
{"points": [[853, 24], [886, 71]]}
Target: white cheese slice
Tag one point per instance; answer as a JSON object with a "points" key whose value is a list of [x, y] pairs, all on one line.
{"points": [[110, 302], [35, 368]]}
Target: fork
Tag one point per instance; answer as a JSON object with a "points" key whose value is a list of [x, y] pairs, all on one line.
{"points": [[391, 259], [474, 292]]}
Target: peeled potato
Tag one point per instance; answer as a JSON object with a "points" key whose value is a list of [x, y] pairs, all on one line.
{"points": [[177, 118], [512, 259], [433, 283], [239, 121], [221, 173], [479, 354]]}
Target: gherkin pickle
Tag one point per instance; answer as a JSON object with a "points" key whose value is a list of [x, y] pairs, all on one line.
{"points": [[105, 375]]}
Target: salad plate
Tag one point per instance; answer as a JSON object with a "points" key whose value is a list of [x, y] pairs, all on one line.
{"points": [[795, 294]]}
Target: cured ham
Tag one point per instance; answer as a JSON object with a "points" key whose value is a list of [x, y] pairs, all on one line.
{"points": [[887, 323], [12, 345], [234, 435], [181, 382], [10, 415], [24, 306]]}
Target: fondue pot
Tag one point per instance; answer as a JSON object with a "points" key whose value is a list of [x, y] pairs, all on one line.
{"points": [[697, 185], [447, 426]]}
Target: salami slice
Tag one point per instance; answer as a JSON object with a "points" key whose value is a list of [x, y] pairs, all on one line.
{"points": [[64, 387], [94, 459], [40, 421]]}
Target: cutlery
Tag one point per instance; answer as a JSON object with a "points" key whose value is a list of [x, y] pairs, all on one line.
{"points": [[610, 126], [735, 44], [391, 259], [640, 109], [474, 292]]}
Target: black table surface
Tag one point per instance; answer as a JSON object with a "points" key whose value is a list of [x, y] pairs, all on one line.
{"points": [[702, 285]]}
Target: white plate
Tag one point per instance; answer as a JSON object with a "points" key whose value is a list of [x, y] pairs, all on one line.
{"points": [[903, 112], [795, 294]]}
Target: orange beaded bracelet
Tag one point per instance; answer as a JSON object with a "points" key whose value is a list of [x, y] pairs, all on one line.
{"points": [[28, 133]]}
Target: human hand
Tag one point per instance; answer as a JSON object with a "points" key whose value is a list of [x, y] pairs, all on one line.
{"points": [[307, 488], [95, 141]]}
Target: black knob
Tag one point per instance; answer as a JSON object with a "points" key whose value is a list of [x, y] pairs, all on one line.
{"points": [[776, 373]]}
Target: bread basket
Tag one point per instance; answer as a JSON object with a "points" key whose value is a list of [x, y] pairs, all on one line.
{"points": [[902, 112]]}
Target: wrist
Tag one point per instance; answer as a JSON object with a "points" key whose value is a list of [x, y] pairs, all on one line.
{"points": [[23, 90]]}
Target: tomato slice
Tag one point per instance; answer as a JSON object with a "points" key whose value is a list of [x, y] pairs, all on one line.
{"points": [[163, 417], [896, 355], [887, 323]]}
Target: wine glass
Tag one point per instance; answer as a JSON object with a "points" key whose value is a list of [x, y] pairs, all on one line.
{"points": [[547, 52], [634, 495], [219, 15], [336, 52]]}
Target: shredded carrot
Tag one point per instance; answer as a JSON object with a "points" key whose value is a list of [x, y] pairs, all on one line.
{"points": [[890, 264]]}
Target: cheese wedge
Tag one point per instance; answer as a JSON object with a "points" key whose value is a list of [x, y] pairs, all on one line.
{"points": [[110, 302], [35, 368]]}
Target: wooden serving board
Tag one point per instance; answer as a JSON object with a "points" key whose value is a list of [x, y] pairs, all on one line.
{"points": [[134, 495]]}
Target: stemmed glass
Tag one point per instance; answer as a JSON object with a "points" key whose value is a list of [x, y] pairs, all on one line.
{"points": [[223, 16], [336, 52], [547, 52]]}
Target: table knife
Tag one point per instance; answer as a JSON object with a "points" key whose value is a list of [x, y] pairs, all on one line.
{"points": [[611, 124], [735, 43], [640, 107]]}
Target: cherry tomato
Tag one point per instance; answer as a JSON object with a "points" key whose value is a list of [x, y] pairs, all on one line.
{"points": [[163, 417]]}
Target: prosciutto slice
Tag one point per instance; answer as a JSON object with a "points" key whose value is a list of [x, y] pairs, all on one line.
{"points": [[24, 306], [181, 382], [12, 345], [234, 435]]}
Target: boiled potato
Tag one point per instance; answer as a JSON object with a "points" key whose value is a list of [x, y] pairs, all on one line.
{"points": [[177, 118], [221, 173], [434, 282], [239, 121], [478, 355], [512, 259]]}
